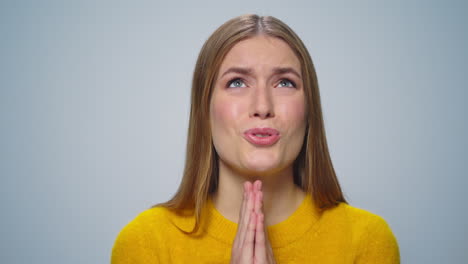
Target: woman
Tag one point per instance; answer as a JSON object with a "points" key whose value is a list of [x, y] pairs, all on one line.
{"points": [[258, 184]]}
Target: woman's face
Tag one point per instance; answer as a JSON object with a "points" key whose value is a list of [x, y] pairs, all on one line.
{"points": [[259, 85]]}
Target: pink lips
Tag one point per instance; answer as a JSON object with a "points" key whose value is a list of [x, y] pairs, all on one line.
{"points": [[268, 137]]}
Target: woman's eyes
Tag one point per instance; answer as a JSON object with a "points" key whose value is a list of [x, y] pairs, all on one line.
{"points": [[237, 82], [293, 85]]}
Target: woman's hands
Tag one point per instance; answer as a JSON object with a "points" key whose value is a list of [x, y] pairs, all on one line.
{"points": [[251, 244]]}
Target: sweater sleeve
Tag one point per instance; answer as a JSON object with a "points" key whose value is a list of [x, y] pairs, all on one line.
{"points": [[379, 244], [131, 246]]}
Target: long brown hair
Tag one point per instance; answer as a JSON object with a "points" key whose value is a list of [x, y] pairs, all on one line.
{"points": [[313, 169]]}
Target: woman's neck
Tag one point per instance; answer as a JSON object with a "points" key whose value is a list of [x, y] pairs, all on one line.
{"points": [[281, 197]]}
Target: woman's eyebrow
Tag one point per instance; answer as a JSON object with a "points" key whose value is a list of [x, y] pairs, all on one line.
{"points": [[249, 71], [245, 71], [282, 70]]}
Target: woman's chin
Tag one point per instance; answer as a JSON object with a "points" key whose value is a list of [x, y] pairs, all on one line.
{"points": [[261, 167]]}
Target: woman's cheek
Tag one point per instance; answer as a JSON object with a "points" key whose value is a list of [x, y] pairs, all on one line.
{"points": [[224, 122], [294, 111], [223, 116], [228, 111]]}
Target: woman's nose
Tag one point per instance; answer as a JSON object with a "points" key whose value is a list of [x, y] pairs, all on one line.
{"points": [[261, 103]]}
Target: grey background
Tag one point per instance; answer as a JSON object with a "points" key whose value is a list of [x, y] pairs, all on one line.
{"points": [[94, 102]]}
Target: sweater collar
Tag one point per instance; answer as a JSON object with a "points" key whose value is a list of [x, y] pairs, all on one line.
{"points": [[281, 234]]}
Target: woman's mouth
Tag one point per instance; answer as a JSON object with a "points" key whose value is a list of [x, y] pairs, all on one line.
{"points": [[262, 136]]}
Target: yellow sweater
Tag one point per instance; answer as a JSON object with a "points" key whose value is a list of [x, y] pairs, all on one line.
{"points": [[344, 234]]}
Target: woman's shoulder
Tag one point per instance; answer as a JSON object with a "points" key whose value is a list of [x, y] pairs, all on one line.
{"points": [[357, 216], [361, 222], [145, 234], [146, 221], [157, 214], [376, 238], [156, 218]]}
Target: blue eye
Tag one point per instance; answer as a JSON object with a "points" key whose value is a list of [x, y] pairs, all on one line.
{"points": [[286, 81], [236, 82]]}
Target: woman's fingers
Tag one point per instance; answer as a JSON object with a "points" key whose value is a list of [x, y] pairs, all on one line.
{"points": [[260, 246], [244, 202], [249, 241], [242, 249], [257, 185], [241, 215], [258, 209], [263, 252], [251, 244], [252, 207], [258, 202], [246, 212]]}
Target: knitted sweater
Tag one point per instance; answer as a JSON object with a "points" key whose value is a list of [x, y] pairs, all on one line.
{"points": [[343, 234]]}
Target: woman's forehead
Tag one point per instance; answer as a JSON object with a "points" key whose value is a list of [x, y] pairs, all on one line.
{"points": [[260, 53]]}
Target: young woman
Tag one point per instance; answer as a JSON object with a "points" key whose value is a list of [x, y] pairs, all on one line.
{"points": [[258, 185]]}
